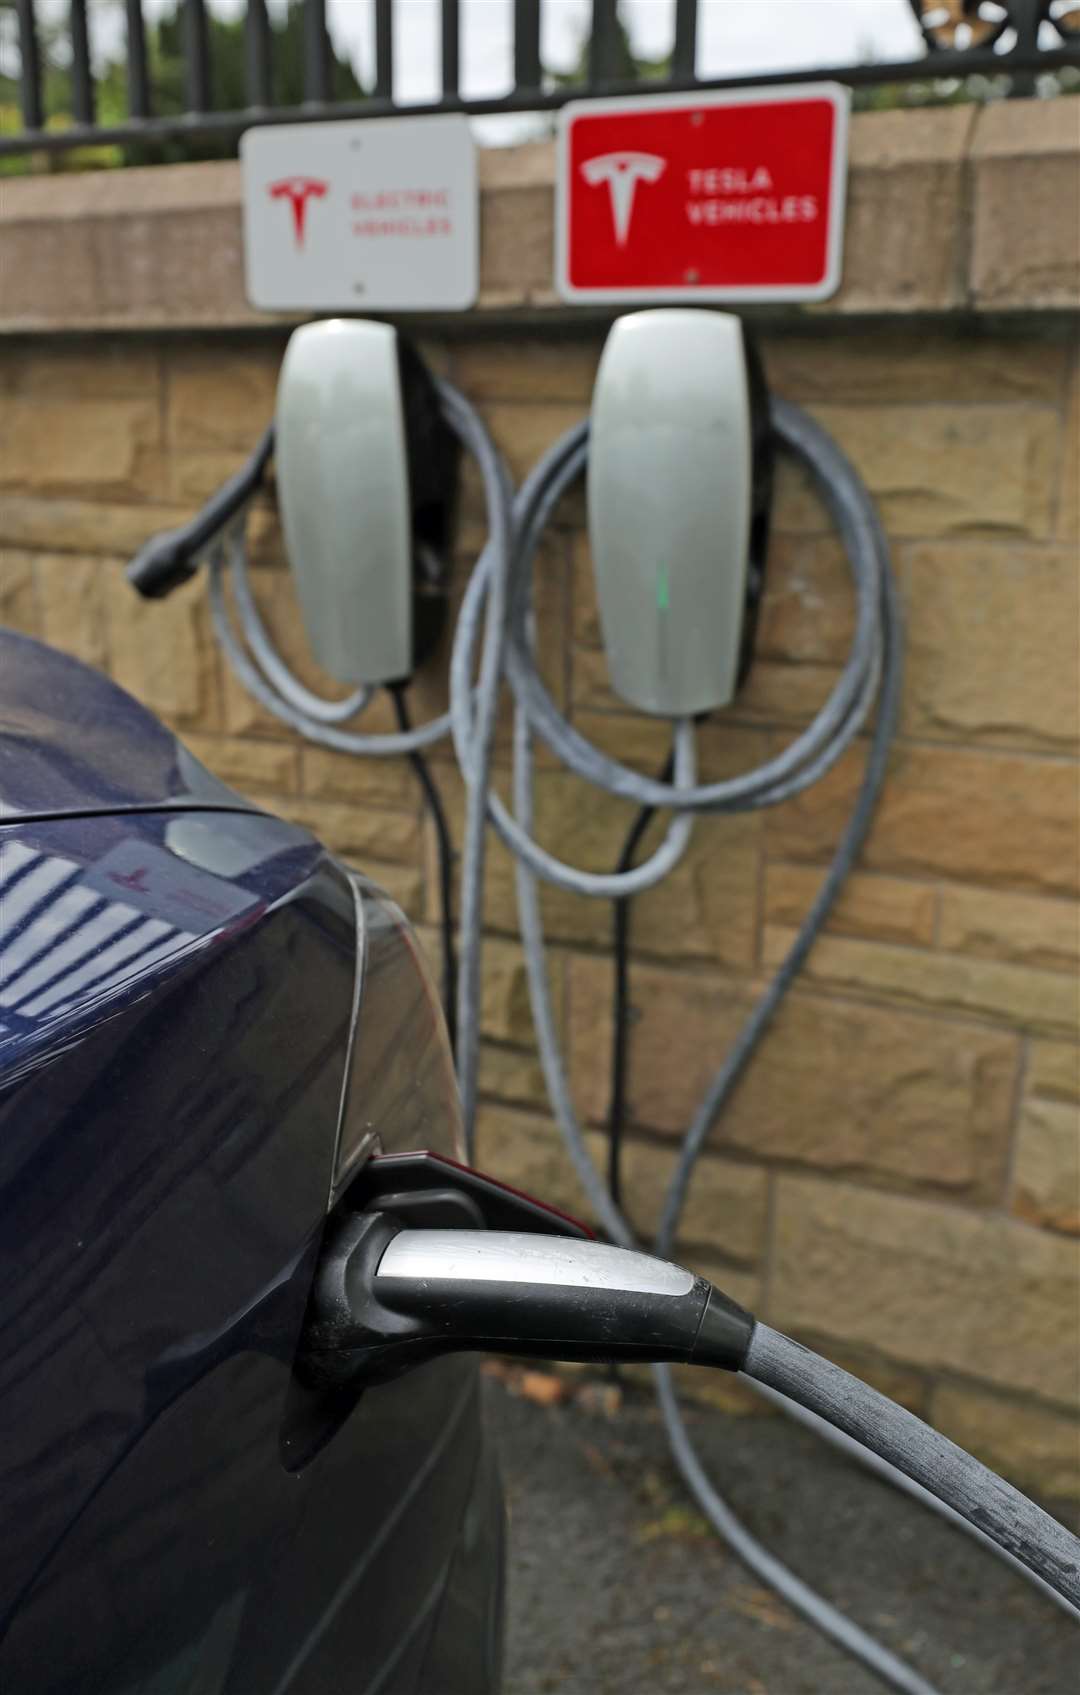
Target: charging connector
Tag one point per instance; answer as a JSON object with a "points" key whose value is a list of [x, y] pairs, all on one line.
{"points": [[389, 1298]]}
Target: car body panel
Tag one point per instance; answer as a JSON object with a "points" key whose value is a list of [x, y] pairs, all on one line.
{"points": [[72, 742], [177, 991]]}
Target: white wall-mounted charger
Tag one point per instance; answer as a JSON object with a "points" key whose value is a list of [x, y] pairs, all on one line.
{"points": [[669, 503]]}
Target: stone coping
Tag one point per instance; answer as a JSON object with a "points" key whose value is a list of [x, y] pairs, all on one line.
{"points": [[951, 210]]}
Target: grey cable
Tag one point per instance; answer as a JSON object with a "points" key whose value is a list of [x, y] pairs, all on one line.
{"points": [[603, 885], [812, 753], [881, 654], [878, 1467], [977, 1493], [499, 493], [819, 1612], [269, 681], [804, 1600], [270, 662], [497, 601], [324, 735]]}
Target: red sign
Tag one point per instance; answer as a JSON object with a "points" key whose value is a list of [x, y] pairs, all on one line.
{"points": [[703, 196]]}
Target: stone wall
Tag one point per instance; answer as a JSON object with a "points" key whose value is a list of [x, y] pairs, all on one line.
{"points": [[898, 1178]]}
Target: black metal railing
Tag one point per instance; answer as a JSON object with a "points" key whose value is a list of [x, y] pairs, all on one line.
{"points": [[1014, 39]]}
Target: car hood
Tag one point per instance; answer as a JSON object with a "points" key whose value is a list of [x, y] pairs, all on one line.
{"points": [[73, 743]]}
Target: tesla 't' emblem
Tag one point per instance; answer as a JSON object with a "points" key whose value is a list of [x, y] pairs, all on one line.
{"points": [[134, 880], [298, 191], [622, 172]]}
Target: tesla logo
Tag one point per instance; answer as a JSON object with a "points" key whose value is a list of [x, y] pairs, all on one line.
{"points": [[622, 172], [298, 191], [133, 880]]}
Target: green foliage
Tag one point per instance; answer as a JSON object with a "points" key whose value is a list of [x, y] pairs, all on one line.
{"points": [[165, 56]]}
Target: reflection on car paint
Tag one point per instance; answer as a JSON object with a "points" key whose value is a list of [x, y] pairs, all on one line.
{"points": [[63, 938]]}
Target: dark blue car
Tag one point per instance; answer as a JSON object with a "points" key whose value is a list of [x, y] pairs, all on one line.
{"points": [[208, 1029]]}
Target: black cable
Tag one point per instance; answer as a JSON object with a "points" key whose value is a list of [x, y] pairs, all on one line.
{"points": [[621, 1008], [446, 865]]}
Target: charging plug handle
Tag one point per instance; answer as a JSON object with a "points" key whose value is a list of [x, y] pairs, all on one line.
{"points": [[389, 1298], [172, 557]]}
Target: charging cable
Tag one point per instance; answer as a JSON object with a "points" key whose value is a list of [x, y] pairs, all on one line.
{"points": [[388, 1298], [217, 534], [873, 671]]}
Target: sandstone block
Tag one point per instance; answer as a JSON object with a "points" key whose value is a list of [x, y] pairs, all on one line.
{"points": [[885, 908], [516, 236], [505, 1011], [1025, 235], [849, 1088], [194, 476], [534, 368], [1022, 929], [513, 1075], [522, 431], [18, 593], [163, 652], [524, 1150], [1034, 1000], [83, 526], [939, 1286], [111, 368], [725, 1210], [808, 608], [63, 446], [249, 764], [946, 468], [71, 595], [585, 617], [724, 1220], [910, 364], [797, 507], [219, 398], [369, 839], [1032, 1446], [1054, 1070], [326, 775], [904, 226], [1047, 1178], [984, 818], [403, 883], [1068, 522], [992, 648]]}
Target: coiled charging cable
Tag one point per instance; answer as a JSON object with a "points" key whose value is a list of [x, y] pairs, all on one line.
{"points": [[496, 612], [873, 672], [260, 668]]}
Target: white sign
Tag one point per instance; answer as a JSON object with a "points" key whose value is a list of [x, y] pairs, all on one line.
{"points": [[377, 215]]}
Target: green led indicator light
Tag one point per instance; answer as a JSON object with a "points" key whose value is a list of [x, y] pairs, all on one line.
{"points": [[662, 597]]}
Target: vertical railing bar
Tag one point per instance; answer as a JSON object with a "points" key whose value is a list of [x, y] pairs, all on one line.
{"points": [[384, 49], [30, 103], [257, 54], [316, 52], [1025, 17], [526, 45], [138, 80], [451, 49], [82, 76], [684, 52], [196, 57], [603, 42]]}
